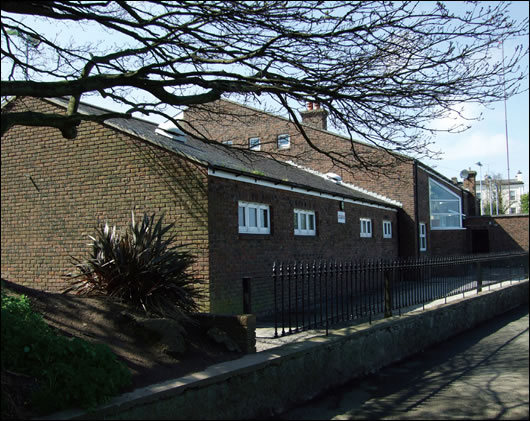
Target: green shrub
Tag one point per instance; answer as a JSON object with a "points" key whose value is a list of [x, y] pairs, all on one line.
{"points": [[141, 266], [70, 371]]}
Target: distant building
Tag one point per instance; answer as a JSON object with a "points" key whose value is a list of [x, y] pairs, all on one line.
{"points": [[503, 194]]}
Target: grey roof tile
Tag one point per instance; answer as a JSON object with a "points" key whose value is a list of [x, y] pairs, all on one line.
{"points": [[240, 161]]}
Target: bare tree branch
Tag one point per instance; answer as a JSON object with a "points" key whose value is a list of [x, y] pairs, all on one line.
{"points": [[383, 70]]}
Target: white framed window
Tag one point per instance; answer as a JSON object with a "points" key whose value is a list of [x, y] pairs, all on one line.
{"points": [[387, 229], [284, 141], [304, 222], [228, 142], [254, 218], [366, 227], [445, 207], [423, 237], [254, 144]]}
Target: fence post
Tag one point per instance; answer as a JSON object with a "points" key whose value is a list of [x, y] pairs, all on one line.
{"points": [[479, 276], [247, 299], [388, 298]]}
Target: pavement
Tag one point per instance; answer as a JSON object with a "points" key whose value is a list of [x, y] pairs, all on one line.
{"points": [[265, 330], [480, 374]]}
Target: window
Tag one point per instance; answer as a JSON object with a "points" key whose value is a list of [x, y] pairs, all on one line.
{"points": [[445, 207], [512, 195], [423, 237], [304, 222], [387, 229], [228, 142], [366, 227], [254, 218], [254, 144], [284, 141]]}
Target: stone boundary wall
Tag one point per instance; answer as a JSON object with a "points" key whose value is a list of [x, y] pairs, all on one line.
{"points": [[262, 384]]}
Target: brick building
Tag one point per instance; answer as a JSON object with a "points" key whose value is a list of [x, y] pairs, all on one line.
{"points": [[434, 208], [236, 211]]}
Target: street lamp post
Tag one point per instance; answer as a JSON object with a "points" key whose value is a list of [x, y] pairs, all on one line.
{"points": [[490, 195]]}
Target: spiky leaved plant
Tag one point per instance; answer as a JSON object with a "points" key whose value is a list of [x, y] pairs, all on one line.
{"points": [[142, 266]]}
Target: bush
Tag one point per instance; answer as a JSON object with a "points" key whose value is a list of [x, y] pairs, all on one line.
{"points": [[140, 266], [70, 371]]}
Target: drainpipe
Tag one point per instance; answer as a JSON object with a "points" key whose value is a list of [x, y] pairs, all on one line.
{"points": [[416, 212]]}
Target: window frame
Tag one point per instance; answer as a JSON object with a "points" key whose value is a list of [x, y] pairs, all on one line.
{"points": [[304, 214], [286, 136], [254, 147], [441, 215], [423, 236], [387, 229], [365, 227], [260, 227]]}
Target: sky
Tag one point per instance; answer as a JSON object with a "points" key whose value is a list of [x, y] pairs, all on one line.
{"points": [[486, 141]]}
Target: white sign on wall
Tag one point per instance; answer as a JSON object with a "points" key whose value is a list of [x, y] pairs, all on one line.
{"points": [[341, 217]]}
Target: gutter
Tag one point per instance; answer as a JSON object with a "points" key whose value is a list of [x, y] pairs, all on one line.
{"points": [[265, 181]]}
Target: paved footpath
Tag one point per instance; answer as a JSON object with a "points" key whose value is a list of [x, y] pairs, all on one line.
{"points": [[480, 374]]}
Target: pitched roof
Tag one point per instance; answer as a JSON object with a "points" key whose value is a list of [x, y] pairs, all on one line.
{"points": [[238, 161]]}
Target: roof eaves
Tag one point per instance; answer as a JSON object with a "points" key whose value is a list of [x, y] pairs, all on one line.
{"points": [[350, 186], [307, 188]]}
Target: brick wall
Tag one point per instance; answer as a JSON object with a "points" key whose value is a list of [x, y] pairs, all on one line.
{"points": [[225, 120], [501, 233], [234, 256], [55, 190]]}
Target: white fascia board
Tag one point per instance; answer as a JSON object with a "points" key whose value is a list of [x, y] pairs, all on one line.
{"points": [[285, 187], [349, 185]]}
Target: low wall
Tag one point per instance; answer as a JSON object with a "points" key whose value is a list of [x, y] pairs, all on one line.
{"points": [[269, 382]]}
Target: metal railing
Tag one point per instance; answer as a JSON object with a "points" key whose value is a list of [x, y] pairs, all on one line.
{"points": [[321, 294]]}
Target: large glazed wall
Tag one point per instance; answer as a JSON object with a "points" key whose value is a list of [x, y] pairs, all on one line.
{"points": [[234, 256], [440, 242], [55, 190]]}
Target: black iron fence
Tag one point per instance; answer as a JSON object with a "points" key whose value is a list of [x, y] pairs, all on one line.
{"points": [[321, 294]]}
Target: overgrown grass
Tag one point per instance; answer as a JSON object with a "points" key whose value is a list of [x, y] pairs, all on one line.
{"points": [[70, 372]]}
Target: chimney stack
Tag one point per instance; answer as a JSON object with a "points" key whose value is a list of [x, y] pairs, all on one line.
{"points": [[470, 183], [315, 116]]}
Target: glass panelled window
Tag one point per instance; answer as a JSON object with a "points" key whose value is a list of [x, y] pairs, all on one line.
{"points": [[254, 218], [387, 229], [445, 207], [423, 237], [254, 144], [284, 141], [366, 227], [304, 222]]}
